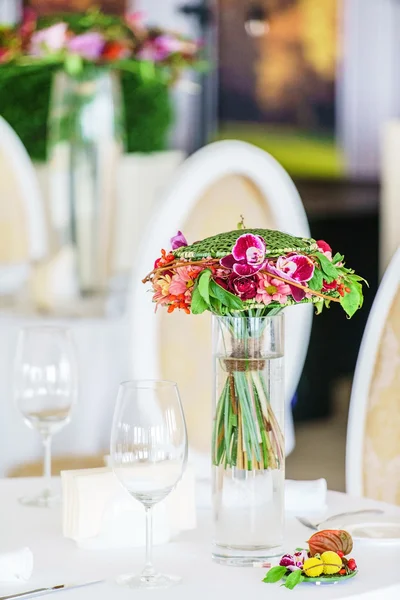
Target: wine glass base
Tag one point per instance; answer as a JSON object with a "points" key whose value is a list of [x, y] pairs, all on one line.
{"points": [[150, 582], [43, 500]]}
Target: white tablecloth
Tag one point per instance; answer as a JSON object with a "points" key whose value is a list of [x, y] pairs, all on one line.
{"points": [[57, 560]]}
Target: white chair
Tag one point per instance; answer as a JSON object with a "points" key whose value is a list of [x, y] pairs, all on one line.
{"points": [[211, 190], [23, 235], [373, 433]]}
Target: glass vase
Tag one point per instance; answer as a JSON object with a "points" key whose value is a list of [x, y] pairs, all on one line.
{"points": [[248, 444], [85, 144]]}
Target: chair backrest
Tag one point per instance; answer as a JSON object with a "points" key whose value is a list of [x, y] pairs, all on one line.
{"points": [[211, 190], [373, 433], [20, 201]]}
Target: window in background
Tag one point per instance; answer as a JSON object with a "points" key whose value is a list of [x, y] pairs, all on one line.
{"points": [[277, 69]]}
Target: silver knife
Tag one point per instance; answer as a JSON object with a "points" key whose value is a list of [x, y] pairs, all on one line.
{"points": [[50, 590]]}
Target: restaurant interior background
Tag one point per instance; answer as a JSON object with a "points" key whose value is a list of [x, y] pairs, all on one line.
{"points": [[297, 79]]}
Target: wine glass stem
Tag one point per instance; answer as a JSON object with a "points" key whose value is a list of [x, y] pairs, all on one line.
{"points": [[149, 570], [47, 463]]}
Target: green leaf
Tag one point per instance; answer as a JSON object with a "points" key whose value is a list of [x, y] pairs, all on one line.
{"points": [[329, 270], [198, 304], [317, 280], [352, 300], [226, 298], [204, 284], [275, 574], [293, 579], [318, 307], [216, 306], [73, 64], [337, 258]]}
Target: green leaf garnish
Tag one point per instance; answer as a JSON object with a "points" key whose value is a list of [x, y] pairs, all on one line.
{"points": [[352, 300], [275, 574], [293, 579], [226, 298], [319, 307], [329, 270], [317, 280], [337, 258], [204, 284], [198, 304]]}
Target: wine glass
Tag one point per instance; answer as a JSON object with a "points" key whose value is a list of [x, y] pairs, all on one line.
{"points": [[149, 456], [45, 390]]}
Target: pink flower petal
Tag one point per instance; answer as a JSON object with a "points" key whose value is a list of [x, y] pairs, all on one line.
{"points": [[297, 293], [227, 262], [244, 270], [178, 241]]}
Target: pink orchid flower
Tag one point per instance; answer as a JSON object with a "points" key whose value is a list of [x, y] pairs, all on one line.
{"points": [[88, 45], [294, 267], [290, 562], [178, 241], [248, 255], [51, 39]]}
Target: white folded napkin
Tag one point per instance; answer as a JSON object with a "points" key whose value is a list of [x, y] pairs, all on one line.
{"points": [[16, 566], [305, 497], [99, 513]]}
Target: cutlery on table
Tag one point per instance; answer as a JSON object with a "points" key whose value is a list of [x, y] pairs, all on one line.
{"points": [[50, 590], [315, 526]]}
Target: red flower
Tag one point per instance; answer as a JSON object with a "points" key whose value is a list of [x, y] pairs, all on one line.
{"points": [[245, 287], [165, 259], [330, 286], [222, 283], [325, 249], [114, 51]]}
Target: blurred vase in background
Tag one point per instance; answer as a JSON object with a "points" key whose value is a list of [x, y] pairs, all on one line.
{"points": [[85, 142]]}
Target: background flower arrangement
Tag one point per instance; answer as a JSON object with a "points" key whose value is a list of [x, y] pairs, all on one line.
{"points": [[149, 60]]}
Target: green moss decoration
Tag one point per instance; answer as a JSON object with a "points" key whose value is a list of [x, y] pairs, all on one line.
{"points": [[25, 99]]}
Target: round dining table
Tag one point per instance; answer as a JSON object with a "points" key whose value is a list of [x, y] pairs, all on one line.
{"points": [[58, 560]]}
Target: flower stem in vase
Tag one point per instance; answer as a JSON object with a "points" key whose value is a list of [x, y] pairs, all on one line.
{"points": [[247, 434]]}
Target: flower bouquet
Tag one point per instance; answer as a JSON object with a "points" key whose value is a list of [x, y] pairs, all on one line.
{"points": [[324, 562], [245, 278], [79, 40]]}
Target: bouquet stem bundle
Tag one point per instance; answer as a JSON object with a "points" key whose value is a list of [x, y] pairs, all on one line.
{"points": [[246, 432]]}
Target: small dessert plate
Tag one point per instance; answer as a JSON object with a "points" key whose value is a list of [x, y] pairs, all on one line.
{"points": [[375, 529], [327, 579]]}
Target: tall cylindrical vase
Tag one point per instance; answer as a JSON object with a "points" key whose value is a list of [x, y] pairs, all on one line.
{"points": [[248, 445], [85, 143]]}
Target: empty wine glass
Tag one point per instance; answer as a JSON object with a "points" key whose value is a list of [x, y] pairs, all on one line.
{"points": [[45, 389], [149, 455]]}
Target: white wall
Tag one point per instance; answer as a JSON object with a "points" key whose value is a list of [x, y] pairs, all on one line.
{"points": [[10, 11], [369, 80]]}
